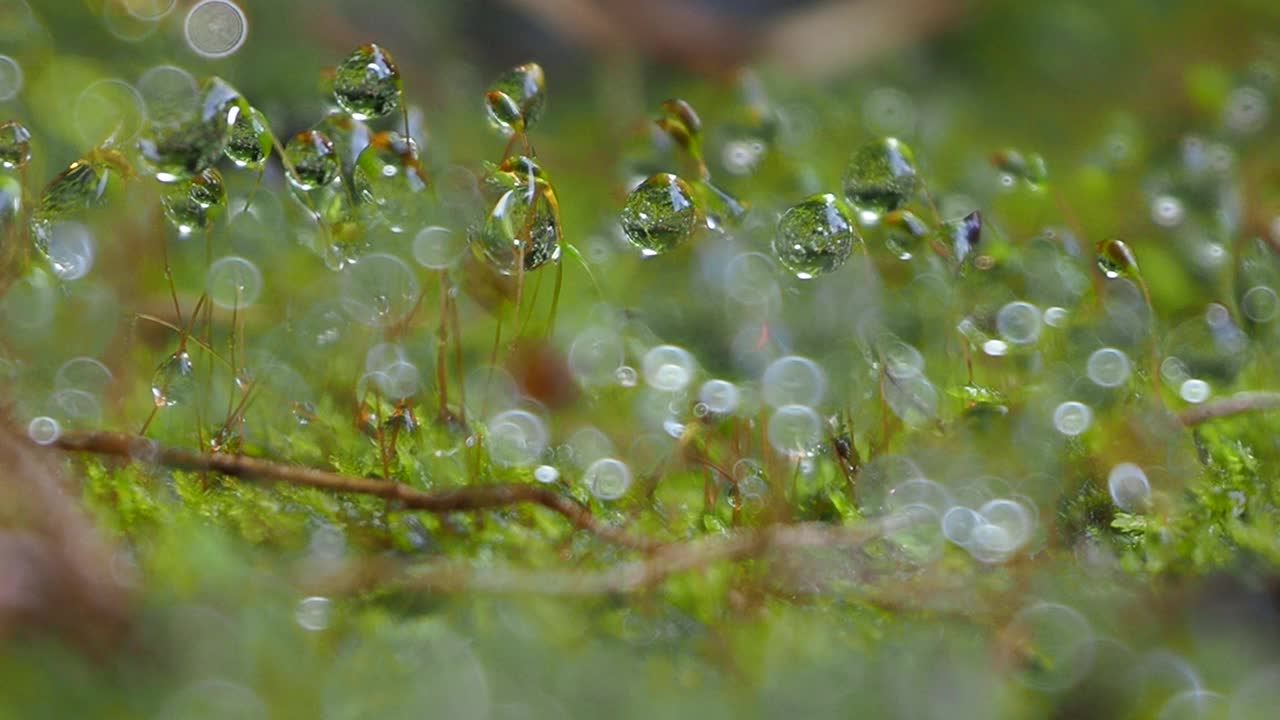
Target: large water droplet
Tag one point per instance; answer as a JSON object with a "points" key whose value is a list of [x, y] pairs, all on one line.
{"points": [[174, 381], [179, 150], [881, 176], [389, 175], [522, 224], [660, 214], [250, 140], [367, 83], [194, 204], [1115, 259], [15, 145], [314, 161], [514, 102], [815, 237]]}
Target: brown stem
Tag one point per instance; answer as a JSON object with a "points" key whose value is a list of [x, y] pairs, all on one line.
{"points": [[1242, 402], [472, 497]]}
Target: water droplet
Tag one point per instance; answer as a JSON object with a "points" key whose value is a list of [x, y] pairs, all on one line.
{"points": [[437, 247], [1059, 640], [1167, 211], [1246, 111], [673, 428], [1108, 367], [1260, 304], [174, 381], [794, 430], [215, 28], [607, 478], [995, 348], [668, 368], [233, 282], [523, 222], [881, 176], [379, 290], [1130, 490], [1014, 520], [389, 175], [1030, 168], [516, 438], [1055, 316], [109, 112], [660, 214], [914, 399], [1019, 323], [313, 613], [718, 396], [546, 474], [626, 376], [793, 380], [742, 156], [10, 78], [70, 250], [1115, 259], [905, 234], [902, 361], [81, 186], [44, 430], [195, 204], [514, 102], [15, 145], [249, 144], [750, 279], [83, 373], [815, 237], [1194, 390], [367, 83], [314, 160], [959, 524], [595, 355], [169, 93], [180, 149], [1072, 418]]}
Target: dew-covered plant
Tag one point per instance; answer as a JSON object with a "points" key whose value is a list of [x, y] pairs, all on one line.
{"points": [[811, 413]]}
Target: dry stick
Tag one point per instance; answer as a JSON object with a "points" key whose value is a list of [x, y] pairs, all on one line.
{"points": [[473, 497], [666, 561], [1242, 402]]}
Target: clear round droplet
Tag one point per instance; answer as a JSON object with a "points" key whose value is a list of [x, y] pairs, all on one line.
{"points": [[215, 28], [668, 368], [438, 247], [1019, 323], [516, 438], [1260, 304], [794, 430], [1167, 211], [1072, 418], [1194, 390], [719, 396], [313, 613], [546, 474], [44, 430], [1108, 367], [959, 524], [793, 380], [379, 290], [109, 112], [1130, 490], [626, 376], [607, 478], [70, 250], [233, 282], [1055, 316]]}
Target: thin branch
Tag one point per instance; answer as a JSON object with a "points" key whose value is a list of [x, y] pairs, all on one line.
{"points": [[472, 497], [1233, 405], [637, 575]]}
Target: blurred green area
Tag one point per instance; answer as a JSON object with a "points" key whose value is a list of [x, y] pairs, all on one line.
{"points": [[239, 605]]}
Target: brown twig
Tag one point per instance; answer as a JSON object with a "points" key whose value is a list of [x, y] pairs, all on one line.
{"points": [[1233, 405], [634, 576], [472, 497]]}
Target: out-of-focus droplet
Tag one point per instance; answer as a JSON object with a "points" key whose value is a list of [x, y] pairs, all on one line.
{"points": [[249, 144], [174, 381], [83, 185], [1108, 367], [233, 282], [514, 102], [314, 161], [215, 28], [1019, 323], [815, 237], [44, 430], [195, 204], [963, 235], [668, 368], [905, 234], [607, 478], [1129, 487], [15, 145], [1072, 418], [367, 83], [660, 214], [10, 78], [70, 250], [1030, 168], [389, 174], [681, 123], [881, 176]]}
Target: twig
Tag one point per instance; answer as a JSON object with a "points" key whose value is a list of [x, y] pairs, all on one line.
{"points": [[1233, 405], [472, 497], [630, 577]]}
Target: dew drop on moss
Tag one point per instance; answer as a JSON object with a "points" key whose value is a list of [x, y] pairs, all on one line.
{"points": [[174, 381], [881, 176], [367, 84], [521, 222], [1115, 259], [15, 145], [389, 175], [314, 163], [514, 102], [83, 185], [815, 237], [249, 144], [180, 150], [194, 204], [660, 214]]}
